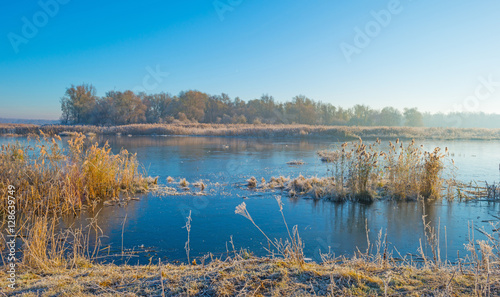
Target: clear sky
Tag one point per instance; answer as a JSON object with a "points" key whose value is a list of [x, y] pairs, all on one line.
{"points": [[434, 55]]}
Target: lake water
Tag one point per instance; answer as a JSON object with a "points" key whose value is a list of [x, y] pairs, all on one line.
{"points": [[154, 225]]}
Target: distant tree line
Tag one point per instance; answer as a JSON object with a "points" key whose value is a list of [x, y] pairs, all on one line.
{"points": [[81, 105]]}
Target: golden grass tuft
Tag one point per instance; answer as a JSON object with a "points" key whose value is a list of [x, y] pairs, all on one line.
{"points": [[252, 182], [49, 178], [200, 184], [184, 183]]}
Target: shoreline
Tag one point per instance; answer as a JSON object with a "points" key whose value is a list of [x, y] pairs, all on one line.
{"points": [[260, 131]]}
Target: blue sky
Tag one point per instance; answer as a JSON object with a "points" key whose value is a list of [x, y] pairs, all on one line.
{"points": [[434, 55]]}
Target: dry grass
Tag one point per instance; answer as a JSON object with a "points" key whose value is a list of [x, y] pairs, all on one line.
{"points": [[46, 248], [411, 172], [363, 172], [314, 187], [292, 130], [200, 184], [184, 183], [49, 178], [182, 188], [292, 249], [252, 182], [258, 277]]}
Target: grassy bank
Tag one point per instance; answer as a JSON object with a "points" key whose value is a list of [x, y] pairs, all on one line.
{"points": [[259, 277], [302, 131]]}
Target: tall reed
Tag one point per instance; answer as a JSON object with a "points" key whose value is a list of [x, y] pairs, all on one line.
{"points": [[49, 178], [355, 169], [46, 247], [364, 171], [291, 249]]}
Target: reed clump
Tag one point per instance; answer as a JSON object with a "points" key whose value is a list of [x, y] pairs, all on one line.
{"points": [[355, 168], [364, 172], [50, 178], [431, 179], [411, 172], [314, 187], [184, 183], [402, 171], [252, 182], [277, 182]]}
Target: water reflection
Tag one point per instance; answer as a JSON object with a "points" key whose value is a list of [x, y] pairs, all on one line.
{"points": [[156, 222]]}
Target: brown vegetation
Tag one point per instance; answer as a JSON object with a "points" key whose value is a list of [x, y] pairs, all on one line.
{"points": [[259, 277], [363, 172], [49, 178], [270, 131]]}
